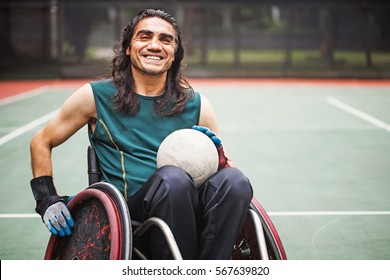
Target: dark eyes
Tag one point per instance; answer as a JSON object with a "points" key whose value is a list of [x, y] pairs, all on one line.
{"points": [[164, 40], [144, 37]]}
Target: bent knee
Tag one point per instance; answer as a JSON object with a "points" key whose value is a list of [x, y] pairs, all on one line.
{"points": [[239, 184], [175, 177]]}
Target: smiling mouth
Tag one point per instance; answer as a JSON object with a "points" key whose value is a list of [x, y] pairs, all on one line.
{"points": [[153, 58]]}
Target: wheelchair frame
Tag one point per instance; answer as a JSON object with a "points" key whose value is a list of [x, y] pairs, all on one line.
{"points": [[258, 238], [266, 239]]}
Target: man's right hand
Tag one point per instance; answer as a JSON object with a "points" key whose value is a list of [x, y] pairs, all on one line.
{"points": [[58, 220], [51, 206]]}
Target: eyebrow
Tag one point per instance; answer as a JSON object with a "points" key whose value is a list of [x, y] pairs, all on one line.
{"points": [[148, 32]]}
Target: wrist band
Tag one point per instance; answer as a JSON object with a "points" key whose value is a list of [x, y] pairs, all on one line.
{"points": [[42, 187]]}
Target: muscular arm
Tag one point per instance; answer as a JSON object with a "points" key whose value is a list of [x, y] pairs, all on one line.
{"points": [[76, 112], [208, 119]]}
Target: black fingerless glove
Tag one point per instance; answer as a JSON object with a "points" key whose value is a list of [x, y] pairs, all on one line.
{"points": [[45, 193]]}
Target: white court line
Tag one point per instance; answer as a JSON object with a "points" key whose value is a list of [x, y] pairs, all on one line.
{"points": [[27, 127], [329, 213], [24, 95], [358, 113], [12, 216], [273, 214]]}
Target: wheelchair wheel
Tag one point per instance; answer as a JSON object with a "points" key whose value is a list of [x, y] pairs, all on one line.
{"points": [[258, 238], [98, 231], [124, 216]]}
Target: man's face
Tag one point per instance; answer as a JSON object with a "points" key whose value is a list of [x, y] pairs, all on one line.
{"points": [[152, 47]]}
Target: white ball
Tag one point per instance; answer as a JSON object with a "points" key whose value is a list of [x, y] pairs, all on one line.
{"points": [[190, 150]]}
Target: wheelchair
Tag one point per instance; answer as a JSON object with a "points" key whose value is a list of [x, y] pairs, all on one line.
{"points": [[104, 228]]}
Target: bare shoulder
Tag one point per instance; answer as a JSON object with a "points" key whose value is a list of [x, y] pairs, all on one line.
{"points": [[77, 111], [82, 102], [206, 106], [208, 117], [84, 94]]}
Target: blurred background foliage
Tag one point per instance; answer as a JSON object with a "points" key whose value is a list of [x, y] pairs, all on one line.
{"points": [[247, 38]]}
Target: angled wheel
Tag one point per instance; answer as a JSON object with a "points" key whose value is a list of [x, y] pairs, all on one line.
{"points": [[98, 231], [258, 238], [124, 216]]}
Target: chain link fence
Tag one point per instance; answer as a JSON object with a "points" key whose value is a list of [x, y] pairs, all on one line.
{"points": [[318, 39]]}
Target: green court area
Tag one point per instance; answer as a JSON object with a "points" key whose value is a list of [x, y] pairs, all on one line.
{"points": [[317, 154]]}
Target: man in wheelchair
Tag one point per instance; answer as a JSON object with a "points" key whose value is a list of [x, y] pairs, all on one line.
{"points": [[128, 116]]}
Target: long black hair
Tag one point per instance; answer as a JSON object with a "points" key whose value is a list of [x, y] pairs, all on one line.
{"points": [[177, 90]]}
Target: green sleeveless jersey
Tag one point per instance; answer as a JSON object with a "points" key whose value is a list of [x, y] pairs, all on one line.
{"points": [[126, 146]]}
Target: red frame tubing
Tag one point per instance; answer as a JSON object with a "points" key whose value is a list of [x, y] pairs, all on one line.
{"points": [[113, 217], [267, 222], [124, 216]]}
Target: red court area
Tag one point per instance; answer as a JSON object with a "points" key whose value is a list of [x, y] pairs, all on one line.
{"points": [[11, 88]]}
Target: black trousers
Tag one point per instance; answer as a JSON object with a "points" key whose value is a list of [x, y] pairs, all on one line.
{"points": [[205, 221]]}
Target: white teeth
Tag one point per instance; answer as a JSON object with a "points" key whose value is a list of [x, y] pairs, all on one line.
{"points": [[153, 57]]}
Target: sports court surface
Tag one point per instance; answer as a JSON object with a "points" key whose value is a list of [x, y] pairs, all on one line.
{"points": [[317, 154]]}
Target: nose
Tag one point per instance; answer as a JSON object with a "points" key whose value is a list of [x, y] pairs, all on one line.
{"points": [[154, 44]]}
